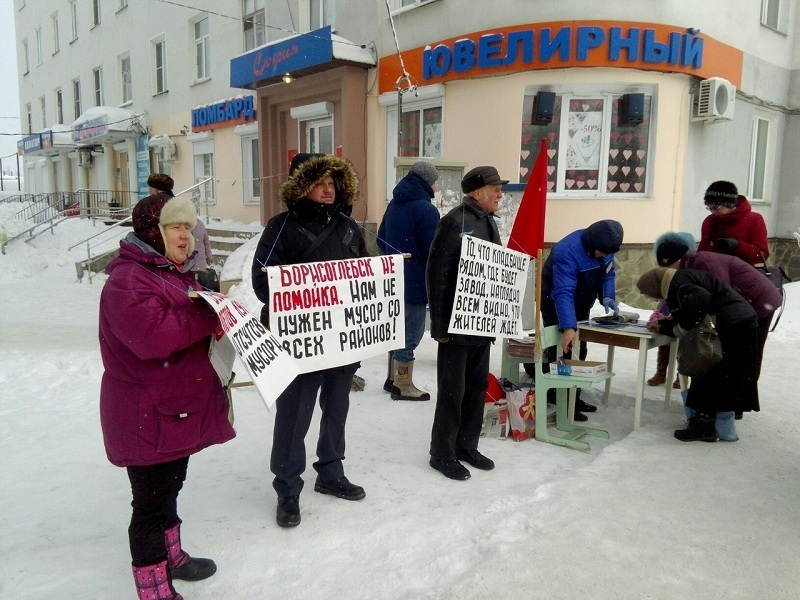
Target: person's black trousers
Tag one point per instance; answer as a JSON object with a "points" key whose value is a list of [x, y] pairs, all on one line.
{"points": [[155, 491], [463, 376], [294, 409]]}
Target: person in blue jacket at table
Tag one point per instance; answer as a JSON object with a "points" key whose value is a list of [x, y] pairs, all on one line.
{"points": [[578, 271]]}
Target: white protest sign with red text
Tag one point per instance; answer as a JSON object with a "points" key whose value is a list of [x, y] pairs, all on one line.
{"points": [[333, 313], [270, 367]]}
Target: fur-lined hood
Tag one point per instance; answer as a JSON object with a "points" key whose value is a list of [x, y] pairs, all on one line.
{"points": [[308, 174]]}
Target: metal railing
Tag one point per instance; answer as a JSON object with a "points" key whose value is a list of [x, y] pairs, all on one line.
{"points": [[49, 223], [103, 236]]}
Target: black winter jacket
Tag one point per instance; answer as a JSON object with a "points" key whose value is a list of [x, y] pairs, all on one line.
{"points": [[693, 294], [441, 274], [288, 236]]}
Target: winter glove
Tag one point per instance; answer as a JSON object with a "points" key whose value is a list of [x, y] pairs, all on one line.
{"points": [[610, 305], [727, 245]]}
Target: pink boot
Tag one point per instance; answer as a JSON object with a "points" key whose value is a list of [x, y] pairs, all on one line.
{"points": [[181, 565], [153, 583]]}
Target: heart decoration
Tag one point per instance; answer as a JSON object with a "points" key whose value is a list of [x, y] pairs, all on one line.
{"points": [[526, 137], [550, 169], [523, 171], [551, 153], [624, 186], [581, 184], [550, 185], [640, 154], [612, 169], [613, 153], [585, 106], [626, 170], [637, 187], [626, 154], [525, 154], [628, 137], [592, 183], [611, 185], [569, 183], [639, 171]]}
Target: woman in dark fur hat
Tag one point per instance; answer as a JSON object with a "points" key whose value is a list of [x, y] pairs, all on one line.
{"points": [[318, 195], [731, 384]]}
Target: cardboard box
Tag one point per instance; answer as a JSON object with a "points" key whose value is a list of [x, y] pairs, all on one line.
{"points": [[582, 368]]}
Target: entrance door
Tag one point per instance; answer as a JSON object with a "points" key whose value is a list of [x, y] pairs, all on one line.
{"points": [[319, 136]]}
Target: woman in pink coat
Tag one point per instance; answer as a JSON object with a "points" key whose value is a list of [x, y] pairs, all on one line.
{"points": [[160, 399]]}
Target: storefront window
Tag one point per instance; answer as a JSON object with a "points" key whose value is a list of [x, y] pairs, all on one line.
{"points": [[592, 148], [422, 132], [251, 165], [203, 155]]}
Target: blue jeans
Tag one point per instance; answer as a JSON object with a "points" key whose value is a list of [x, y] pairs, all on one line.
{"points": [[415, 329]]}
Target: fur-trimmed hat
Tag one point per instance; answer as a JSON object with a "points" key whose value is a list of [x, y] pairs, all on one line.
{"points": [[672, 245], [161, 182], [152, 214], [655, 283], [722, 193], [309, 171]]}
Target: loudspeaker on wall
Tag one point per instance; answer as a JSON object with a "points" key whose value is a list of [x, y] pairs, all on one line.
{"points": [[543, 106], [632, 109]]}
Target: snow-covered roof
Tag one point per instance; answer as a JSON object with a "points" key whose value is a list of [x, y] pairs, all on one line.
{"points": [[115, 119], [346, 50]]}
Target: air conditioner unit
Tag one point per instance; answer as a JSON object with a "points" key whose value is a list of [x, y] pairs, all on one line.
{"points": [[715, 100], [168, 153], [84, 158]]}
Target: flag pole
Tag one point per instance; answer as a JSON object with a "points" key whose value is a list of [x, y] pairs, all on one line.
{"points": [[536, 312]]}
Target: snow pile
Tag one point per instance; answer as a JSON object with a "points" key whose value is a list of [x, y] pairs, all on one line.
{"points": [[640, 515]]}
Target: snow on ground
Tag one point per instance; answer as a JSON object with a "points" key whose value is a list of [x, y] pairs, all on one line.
{"points": [[640, 515]]}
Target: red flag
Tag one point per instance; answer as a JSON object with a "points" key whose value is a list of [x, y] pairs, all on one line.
{"points": [[527, 233]]}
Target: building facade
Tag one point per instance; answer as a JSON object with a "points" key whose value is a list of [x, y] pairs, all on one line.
{"points": [[642, 105]]}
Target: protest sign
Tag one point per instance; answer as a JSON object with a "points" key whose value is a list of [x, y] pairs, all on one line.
{"points": [[489, 290], [333, 313], [269, 366]]}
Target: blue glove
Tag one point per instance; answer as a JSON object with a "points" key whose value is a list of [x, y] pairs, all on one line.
{"points": [[610, 305]]}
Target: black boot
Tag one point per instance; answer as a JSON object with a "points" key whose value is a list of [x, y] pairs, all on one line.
{"points": [[701, 428], [388, 385], [181, 565], [288, 514]]}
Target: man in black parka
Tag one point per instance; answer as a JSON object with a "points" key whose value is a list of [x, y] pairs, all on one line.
{"points": [[462, 364], [319, 195]]}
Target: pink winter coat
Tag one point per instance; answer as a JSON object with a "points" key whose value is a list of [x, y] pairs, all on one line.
{"points": [[160, 398], [751, 283]]}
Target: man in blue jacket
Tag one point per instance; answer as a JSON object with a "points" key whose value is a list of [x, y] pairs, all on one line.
{"points": [[578, 271], [408, 227]]}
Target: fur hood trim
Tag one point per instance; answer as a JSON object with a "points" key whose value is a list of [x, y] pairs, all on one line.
{"points": [[309, 173]]}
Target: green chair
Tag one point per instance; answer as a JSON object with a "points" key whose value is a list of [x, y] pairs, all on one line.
{"points": [[551, 336]]}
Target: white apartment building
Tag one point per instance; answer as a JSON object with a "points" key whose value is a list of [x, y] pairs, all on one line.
{"points": [[642, 104], [112, 90]]}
